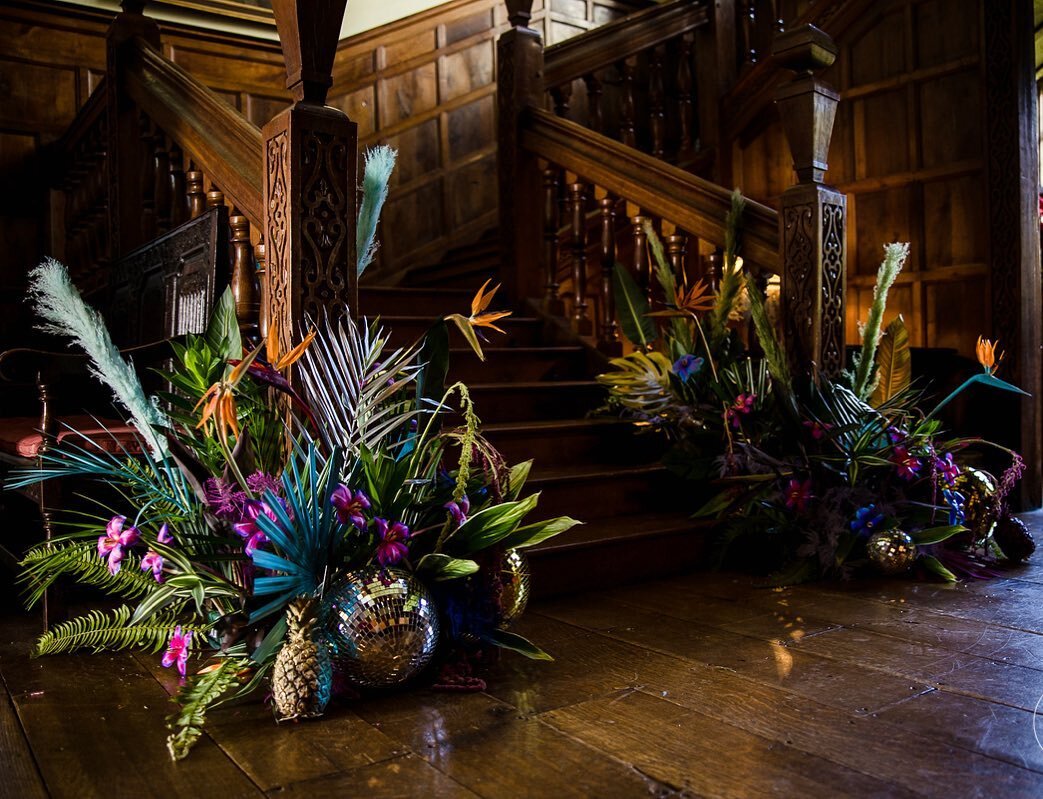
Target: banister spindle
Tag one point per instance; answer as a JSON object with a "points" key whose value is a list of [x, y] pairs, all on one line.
{"points": [[594, 116], [148, 180], [262, 304], [640, 262], [215, 198], [685, 118], [161, 177], [628, 110], [676, 249], [656, 102], [552, 303], [195, 196], [178, 205], [608, 333], [244, 276], [581, 323], [562, 97]]}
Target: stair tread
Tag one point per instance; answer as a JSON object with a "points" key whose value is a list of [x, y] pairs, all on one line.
{"points": [[535, 384], [616, 528], [416, 290], [593, 472], [552, 425], [523, 350]]}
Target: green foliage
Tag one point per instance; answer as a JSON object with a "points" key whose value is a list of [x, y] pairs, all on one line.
{"points": [[731, 278], [632, 307], [773, 352], [44, 564], [865, 362], [222, 333], [439, 567], [516, 643], [99, 631], [196, 697], [490, 525], [532, 534], [640, 382]]}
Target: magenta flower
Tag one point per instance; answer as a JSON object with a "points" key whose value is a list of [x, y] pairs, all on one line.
{"points": [[350, 505], [164, 536], [743, 406], [154, 561], [797, 494], [247, 528], [392, 547], [908, 464], [459, 510], [225, 500], [177, 650], [260, 482], [948, 468], [818, 430], [111, 546]]}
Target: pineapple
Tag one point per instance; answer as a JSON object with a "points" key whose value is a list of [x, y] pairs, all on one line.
{"points": [[303, 676]]}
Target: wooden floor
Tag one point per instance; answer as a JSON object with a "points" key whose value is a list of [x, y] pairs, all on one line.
{"points": [[695, 686]]}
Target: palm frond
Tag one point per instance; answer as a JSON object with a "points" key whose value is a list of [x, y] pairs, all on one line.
{"points": [[44, 564], [769, 342], [196, 697], [112, 632]]}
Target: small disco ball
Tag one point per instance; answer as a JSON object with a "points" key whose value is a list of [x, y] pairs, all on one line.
{"points": [[979, 492], [891, 551], [382, 626], [516, 582]]}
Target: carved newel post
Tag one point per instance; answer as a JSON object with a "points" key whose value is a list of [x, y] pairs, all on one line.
{"points": [[310, 163], [811, 214], [519, 54]]}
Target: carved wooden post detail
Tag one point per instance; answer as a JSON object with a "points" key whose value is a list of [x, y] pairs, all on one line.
{"points": [[519, 86], [310, 166], [812, 216]]}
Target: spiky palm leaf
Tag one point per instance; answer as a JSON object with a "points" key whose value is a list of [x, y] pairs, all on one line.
{"points": [[353, 388], [99, 631]]}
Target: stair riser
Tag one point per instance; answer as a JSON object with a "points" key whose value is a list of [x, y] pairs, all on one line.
{"points": [[424, 304], [609, 495], [513, 404], [503, 367], [405, 331], [609, 446]]}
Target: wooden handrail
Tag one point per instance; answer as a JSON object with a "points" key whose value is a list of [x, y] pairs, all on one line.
{"points": [[225, 145], [627, 36], [694, 204], [86, 118]]}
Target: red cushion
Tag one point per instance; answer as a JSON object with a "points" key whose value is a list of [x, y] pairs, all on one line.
{"points": [[21, 436]]}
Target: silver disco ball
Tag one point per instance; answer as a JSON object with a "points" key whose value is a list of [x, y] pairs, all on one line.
{"points": [[382, 626]]}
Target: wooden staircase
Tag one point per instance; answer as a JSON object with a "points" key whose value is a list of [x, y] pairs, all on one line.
{"points": [[534, 395]]}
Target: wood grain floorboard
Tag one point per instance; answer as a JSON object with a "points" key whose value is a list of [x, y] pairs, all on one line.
{"points": [[21, 779]]}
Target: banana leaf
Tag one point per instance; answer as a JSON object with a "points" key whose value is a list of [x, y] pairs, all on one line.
{"points": [[632, 306]]}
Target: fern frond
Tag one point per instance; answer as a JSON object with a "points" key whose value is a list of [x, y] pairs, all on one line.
{"points": [[196, 697], [770, 343], [45, 564], [112, 632]]}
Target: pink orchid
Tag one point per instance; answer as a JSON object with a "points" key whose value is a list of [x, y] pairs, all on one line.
{"points": [[948, 468], [248, 528], [154, 561], [459, 510], [817, 429], [111, 546], [392, 547], [350, 505], [177, 650], [164, 536], [908, 464], [743, 406], [797, 494]]}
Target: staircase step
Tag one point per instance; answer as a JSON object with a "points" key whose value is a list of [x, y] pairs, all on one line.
{"points": [[573, 442], [599, 492], [513, 402], [520, 331], [618, 550], [432, 303], [525, 364]]}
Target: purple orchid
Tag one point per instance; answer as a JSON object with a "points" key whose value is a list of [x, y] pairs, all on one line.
{"points": [[687, 365], [459, 510], [743, 406], [797, 494], [867, 520], [247, 528], [153, 561], [947, 468], [117, 538], [177, 650], [164, 536], [392, 547], [908, 465], [350, 505]]}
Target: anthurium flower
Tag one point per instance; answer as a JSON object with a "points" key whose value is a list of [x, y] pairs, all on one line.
{"points": [[219, 400], [987, 357], [164, 536], [908, 464], [687, 365], [153, 561], [392, 546], [956, 501], [797, 494], [947, 468], [350, 505], [177, 650], [117, 538], [867, 520], [459, 510], [248, 529]]}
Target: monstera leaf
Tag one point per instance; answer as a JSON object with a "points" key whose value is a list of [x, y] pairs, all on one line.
{"points": [[893, 363]]}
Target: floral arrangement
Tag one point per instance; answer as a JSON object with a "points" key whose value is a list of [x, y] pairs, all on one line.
{"points": [[808, 477], [329, 530]]}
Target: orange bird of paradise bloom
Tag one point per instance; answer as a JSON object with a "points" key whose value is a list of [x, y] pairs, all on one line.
{"points": [[479, 317], [987, 356], [697, 300], [276, 360], [219, 400]]}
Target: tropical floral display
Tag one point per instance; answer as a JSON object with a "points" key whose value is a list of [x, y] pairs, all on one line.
{"points": [[327, 518], [808, 476]]}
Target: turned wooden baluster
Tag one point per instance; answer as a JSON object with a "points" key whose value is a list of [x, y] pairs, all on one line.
{"points": [[676, 249], [194, 195], [578, 201], [552, 303], [214, 198], [562, 96], [749, 28], [685, 118], [628, 110], [656, 102], [595, 119], [713, 269], [178, 197], [608, 334], [245, 288], [161, 179], [148, 180], [262, 305], [640, 263]]}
